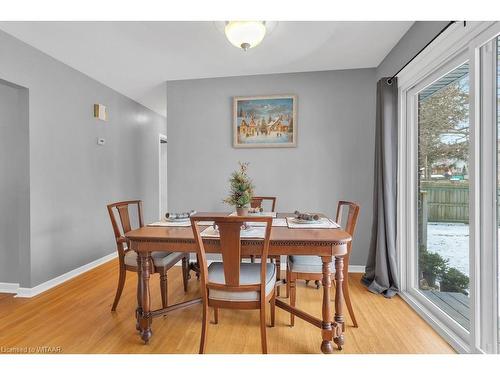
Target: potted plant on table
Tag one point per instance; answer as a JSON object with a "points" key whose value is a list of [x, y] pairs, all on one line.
{"points": [[241, 190]]}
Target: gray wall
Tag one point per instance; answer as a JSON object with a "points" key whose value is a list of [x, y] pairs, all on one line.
{"points": [[71, 177], [14, 182], [333, 159], [413, 41]]}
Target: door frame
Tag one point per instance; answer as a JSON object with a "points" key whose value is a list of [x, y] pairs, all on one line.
{"points": [[487, 261], [161, 137], [458, 41], [451, 327]]}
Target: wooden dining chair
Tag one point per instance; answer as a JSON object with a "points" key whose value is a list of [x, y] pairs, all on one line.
{"points": [[257, 202], [162, 261], [309, 267], [231, 284]]}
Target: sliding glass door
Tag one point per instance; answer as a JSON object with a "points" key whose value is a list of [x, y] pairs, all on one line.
{"points": [[443, 194], [449, 186]]}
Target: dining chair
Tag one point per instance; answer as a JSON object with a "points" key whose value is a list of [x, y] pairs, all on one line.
{"points": [[231, 284], [257, 202], [309, 267], [162, 261]]}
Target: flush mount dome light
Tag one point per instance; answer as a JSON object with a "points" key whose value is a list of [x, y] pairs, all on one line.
{"points": [[246, 34]]}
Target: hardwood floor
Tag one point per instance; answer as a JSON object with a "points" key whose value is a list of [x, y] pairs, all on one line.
{"points": [[76, 317]]}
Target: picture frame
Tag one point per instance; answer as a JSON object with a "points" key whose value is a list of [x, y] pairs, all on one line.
{"points": [[265, 121]]}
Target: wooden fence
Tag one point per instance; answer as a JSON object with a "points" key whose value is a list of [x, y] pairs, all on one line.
{"points": [[445, 201]]}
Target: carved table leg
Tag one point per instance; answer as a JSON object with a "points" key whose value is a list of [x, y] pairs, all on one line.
{"points": [[339, 302], [138, 310], [196, 267], [326, 329], [143, 312], [277, 260], [138, 313]]}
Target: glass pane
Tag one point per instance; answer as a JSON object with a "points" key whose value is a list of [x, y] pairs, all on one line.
{"points": [[443, 194]]}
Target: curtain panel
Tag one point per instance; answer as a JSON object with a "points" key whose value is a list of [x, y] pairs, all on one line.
{"points": [[381, 275]]}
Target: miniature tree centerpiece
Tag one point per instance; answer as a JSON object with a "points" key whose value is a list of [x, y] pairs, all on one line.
{"points": [[241, 190]]}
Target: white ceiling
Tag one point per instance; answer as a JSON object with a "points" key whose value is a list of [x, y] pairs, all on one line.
{"points": [[136, 58]]}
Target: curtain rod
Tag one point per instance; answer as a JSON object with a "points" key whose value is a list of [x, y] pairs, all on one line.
{"points": [[389, 81]]}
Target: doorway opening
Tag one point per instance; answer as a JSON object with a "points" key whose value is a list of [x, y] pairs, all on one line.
{"points": [[14, 187]]}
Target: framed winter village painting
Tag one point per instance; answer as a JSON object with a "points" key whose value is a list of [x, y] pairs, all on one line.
{"points": [[265, 121]]}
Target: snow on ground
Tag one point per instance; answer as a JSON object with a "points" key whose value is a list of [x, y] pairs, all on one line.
{"points": [[271, 138], [451, 241]]}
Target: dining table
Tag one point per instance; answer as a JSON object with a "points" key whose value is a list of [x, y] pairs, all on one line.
{"points": [[329, 244]]}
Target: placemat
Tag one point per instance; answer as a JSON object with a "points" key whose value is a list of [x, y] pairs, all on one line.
{"points": [[266, 214], [277, 222], [254, 232], [178, 223], [324, 223], [205, 223], [170, 224]]}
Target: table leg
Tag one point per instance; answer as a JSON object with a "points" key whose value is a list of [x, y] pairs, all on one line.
{"points": [[339, 302], [326, 324], [143, 295], [195, 266], [277, 260]]}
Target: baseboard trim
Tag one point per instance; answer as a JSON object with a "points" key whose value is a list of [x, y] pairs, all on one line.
{"points": [[356, 269], [43, 287], [9, 288]]}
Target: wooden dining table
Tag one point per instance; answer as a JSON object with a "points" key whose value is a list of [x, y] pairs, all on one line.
{"points": [[329, 244]]}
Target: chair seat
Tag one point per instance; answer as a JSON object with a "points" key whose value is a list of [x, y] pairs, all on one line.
{"points": [[249, 274], [160, 258], [307, 264]]}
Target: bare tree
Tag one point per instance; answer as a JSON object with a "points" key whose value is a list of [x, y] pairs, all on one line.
{"points": [[443, 125]]}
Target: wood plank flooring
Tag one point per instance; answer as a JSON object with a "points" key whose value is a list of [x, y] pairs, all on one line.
{"points": [[76, 317]]}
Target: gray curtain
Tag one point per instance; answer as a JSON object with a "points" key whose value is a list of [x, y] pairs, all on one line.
{"points": [[381, 268]]}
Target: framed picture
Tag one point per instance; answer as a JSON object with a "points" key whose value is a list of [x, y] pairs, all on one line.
{"points": [[265, 121]]}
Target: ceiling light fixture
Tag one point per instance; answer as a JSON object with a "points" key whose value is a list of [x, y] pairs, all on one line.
{"points": [[245, 34]]}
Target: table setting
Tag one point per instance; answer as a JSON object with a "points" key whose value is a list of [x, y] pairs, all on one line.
{"points": [[310, 221], [177, 220], [298, 233], [247, 231], [298, 221]]}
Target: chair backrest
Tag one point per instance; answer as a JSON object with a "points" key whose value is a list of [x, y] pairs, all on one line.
{"points": [[257, 202], [351, 221], [125, 222], [230, 247]]}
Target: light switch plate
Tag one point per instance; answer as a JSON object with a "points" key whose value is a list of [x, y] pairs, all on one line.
{"points": [[100, 112]]}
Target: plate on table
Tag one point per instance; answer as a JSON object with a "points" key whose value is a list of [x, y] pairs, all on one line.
{"points": [[302, 221], [181, 220]]}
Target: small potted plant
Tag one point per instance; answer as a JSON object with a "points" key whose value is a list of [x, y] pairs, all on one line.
{"points": [[241, 190]]}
